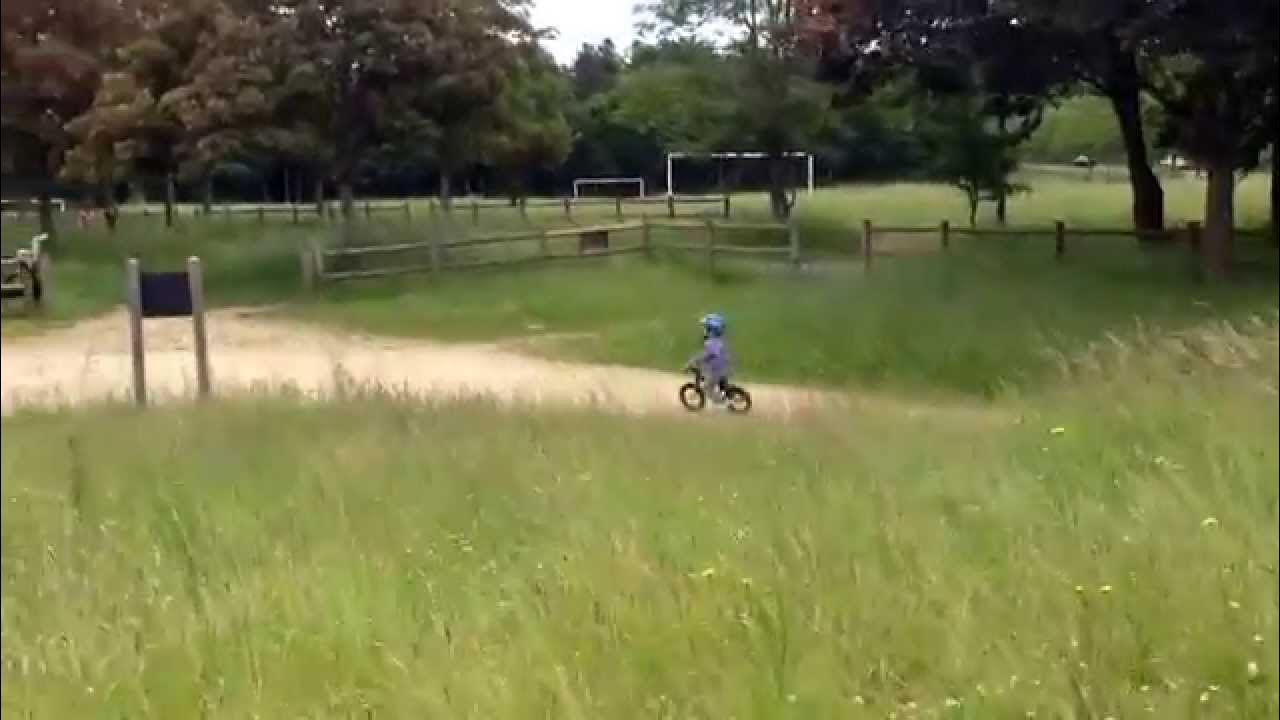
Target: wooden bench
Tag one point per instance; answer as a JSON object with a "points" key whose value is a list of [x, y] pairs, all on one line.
{"points": [[21, 274]]}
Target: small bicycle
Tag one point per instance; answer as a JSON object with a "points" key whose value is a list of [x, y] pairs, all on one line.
{"points": [[693, 395]]}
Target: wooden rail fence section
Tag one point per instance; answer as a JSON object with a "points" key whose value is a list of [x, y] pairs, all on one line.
{"points": [[593, 242], [1060, 232], [473, 207]]}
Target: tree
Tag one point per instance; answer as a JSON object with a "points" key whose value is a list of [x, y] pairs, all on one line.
{"points": [[531, 131], [596, 69], [1095, 38], [163, 59], [361, 76], [478, 43], [996, 61], [104, 151], [224, 104], [778, 105], [688, 104], [1212, 66], [52, 56], [968, 150]]}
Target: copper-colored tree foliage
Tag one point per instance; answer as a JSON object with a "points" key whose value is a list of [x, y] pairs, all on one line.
{"points": [[355, 74], [52, 57]]}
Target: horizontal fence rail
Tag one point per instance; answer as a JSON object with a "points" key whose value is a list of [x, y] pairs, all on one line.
{"points": [[318, 264], [1060, 232], [476, 207]]}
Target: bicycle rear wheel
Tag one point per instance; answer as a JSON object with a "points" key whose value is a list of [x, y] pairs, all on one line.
{"points": [[738, 400]]}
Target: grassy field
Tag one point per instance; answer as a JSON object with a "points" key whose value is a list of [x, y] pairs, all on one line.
{"points": [[1106, 549], [971, 322], [1096, 539]]}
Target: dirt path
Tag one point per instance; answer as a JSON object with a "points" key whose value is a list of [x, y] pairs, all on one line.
{"points": [[252, 351]]}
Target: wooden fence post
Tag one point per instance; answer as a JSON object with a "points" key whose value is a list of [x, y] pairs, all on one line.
{"points": [[1059, 239], [793, 241], [133, 282], [671, 206], [195, 278], [42, 262], [711, 246], [434, 240], [944, 231], [308, 265], [726, 207], [866, 244]]}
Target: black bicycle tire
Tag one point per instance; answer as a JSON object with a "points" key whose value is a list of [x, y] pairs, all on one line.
{"points": [[733, 392], [697, 391]]}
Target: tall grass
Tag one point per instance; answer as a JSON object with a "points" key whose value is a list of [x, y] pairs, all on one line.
{"points": [[1110, 552], [971, 322]]}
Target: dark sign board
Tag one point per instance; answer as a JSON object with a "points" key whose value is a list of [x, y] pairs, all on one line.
{"points": [[165, 294]]}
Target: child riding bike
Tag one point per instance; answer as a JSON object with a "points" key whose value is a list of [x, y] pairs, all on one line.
{"points": [[713, 361]]}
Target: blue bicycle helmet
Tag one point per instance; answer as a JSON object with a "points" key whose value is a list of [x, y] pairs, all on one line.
{"points": [[713, 324]]}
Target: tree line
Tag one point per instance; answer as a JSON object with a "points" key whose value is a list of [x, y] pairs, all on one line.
{"points": [[306, 97]]}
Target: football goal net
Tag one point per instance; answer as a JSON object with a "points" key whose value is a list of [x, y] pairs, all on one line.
{"points": [[722, 156], [609, 187]]}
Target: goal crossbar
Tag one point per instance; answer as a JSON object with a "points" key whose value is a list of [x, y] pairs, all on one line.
{"points": [[578, 183], [673, 156]]}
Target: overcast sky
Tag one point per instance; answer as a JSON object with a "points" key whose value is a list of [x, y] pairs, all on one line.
{"points": [[585, 21]]}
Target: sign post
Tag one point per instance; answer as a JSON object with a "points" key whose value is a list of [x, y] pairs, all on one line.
{"points": [[166, 294]]}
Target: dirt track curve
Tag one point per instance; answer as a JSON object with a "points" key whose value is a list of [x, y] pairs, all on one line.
{"points": [[251, 351]]}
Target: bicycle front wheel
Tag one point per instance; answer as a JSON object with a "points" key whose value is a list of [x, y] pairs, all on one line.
{"points": [[692, 397]]}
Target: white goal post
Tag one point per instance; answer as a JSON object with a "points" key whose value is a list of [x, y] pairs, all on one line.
{"points": [[672, 157], [578, 183]]}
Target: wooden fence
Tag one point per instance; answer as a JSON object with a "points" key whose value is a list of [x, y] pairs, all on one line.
{"points": [[320, 265], [1060, 233], [473, 207]]}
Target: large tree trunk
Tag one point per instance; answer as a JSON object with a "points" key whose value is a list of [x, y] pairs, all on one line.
{"points": [[1002, 192], [1219, 220], [319, 196], [347, 198], [170, 198], [1275, 193], [47, 225], [110, 211], [1126, 103], [446, 192], [206, 196], [779, 202]]}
